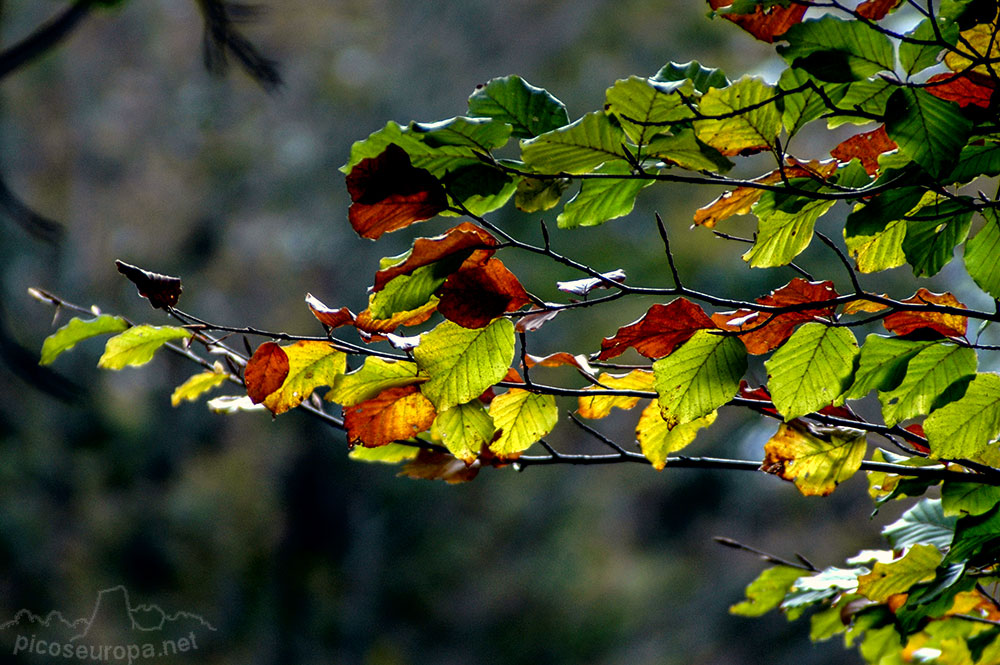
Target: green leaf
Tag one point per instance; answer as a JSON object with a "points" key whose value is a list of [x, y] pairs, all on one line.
{"points": [[917, 57], [577, 148], [391, 453], [535, 195], [869, 96], [436, 159], [685, 150], [529, 110], [405, 293], [745, 122], [928, 130], [462, 363], [645, 107], [929, 373], [657, 440], [975, 161], [965, 427], [601, 199], [802, 107], [77, 330], [701, 77], [767, 591], [924, 523], [376, 375], [483, 134], [887, 579], [782, 235], [464, 429], [880, 250], [480, 188], [961, 499], [699, 376], [136, 346], [882, 364], [522, 418], [198, 385], [930, 245], [811, 369], [832, 49], [981, 254]]}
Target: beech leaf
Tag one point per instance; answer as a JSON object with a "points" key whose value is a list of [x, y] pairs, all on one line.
{"points": [[965, 427], [198, 385], [394, 414], [698, 377], [522, 418], [812, 369], [376, 375], [658, 441], [472, 297], [464, 429], [468, 241], [816, 464], [311, 365], [906, 322], [331, 318], [929, 373], [77, 330], [766, 23], [265, 371], [162, 291], [745, 122], [599, 406], [137, 345], [659, 331]]}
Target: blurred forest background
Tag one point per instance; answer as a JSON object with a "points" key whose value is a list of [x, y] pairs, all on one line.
{"points": [[266, 528]]}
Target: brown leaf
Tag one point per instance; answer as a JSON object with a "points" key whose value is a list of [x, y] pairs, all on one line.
{"points": [[265, 371], [388, 194], [466, 238], [764, 24], [967, 90], [433, 465], [366, 323], [949, 325], [472, 297], [394, 414], [162, 291], [876, 10], [867, 147], [331, 318], [532, 322], [559, 359], [659, 331], [764, 337]]}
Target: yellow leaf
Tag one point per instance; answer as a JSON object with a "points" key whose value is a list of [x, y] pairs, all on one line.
{"points": [[816, 461], [523, 418], [198, 385], [657, 440], [983, 40], [310, 366], [599, 406], [887, 579]]}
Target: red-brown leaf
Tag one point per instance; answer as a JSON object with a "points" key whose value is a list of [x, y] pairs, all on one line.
{"points": [[764, 337], [967, 90], [758, 394], [876, 10], [473, 297], [162, 291], [466, 238], [867, 147], [433, 465], [388, 193], [764, 24], [265, 371], [394, 414], [331, 318], [659, 331], [949, 325]]}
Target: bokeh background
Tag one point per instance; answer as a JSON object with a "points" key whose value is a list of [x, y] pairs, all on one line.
{"points": [[295, 553]]}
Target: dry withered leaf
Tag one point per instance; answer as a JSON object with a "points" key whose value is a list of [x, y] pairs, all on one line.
{"points": [[265, 371], [162, 291], [532, 322], [433, 465], [466, 238], [581, 287], [659, 331], [559, 359], [949, 325], [473, 297], [331, 318], [866, 147], [388, 193], [394, 414], [764, 24]]}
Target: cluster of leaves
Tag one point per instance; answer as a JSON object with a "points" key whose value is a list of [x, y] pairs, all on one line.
{"points": [[461, 394]]}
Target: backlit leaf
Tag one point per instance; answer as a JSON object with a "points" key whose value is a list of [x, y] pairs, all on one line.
{"points": [[659, 331], [976, 160], [464, 429], [923, 523], [881, 250], [767, 591], [77, 330], [658, 441], [876, 10], [983, 41], [832, 49], [816, 464], [915, 56], [472, 297], [802, 107], [367, 322], [886, 579], [882, 364], [388, 193], [966, 426], [311, 365], [331, 318], [529, 110], [905, 322], [963, 499], [466, 240], [522, 418], [743, 125], [395, 414], [645, 107], [981, 254], [811, 369], [136, 346], [482, 134], [701, 77], [699, 376], [602, 199], [391, 453], [198, 385], [928, 130], [968, 90], [576, 148], [765, 23], [534, 195], [782, 235], [929, 373], [409, 293], [463, 363], [866, 146], [682, 148], [376, 375], [266, 371], [599, 406]]}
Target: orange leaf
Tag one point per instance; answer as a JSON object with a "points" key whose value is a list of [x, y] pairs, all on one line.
{"points": [[764, 337], [918, 429], [966, 90], [949, 325], [764, 24], [265, 371], [758, 394], [394, 414], [660, 330], [862, 305], [432, 465], [867, 147], [366, 323], [876, 10], [472, 297], [388, 193], [559, 359], [464, 238], [331, 318]]}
